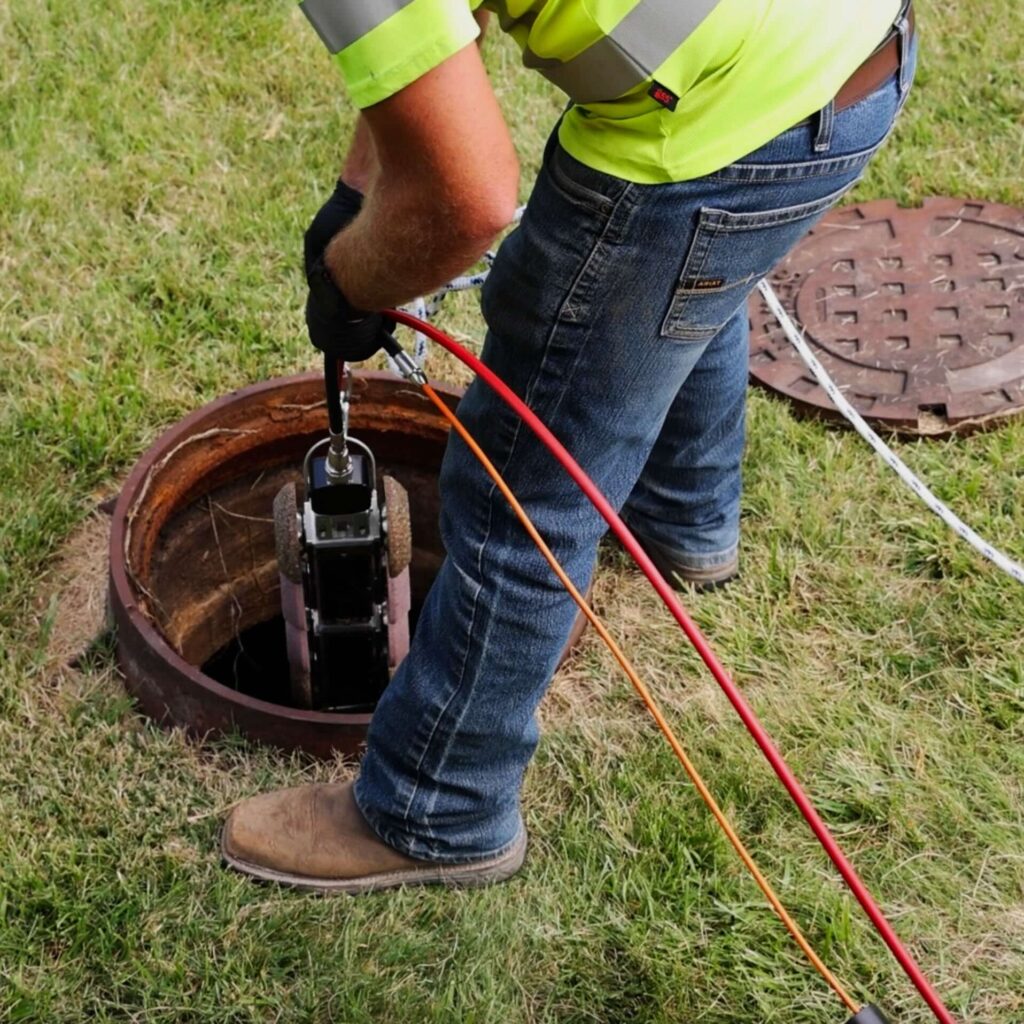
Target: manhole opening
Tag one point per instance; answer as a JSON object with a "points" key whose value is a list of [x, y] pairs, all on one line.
{"points": [[195, 587], [255, 662], [214, 574]]}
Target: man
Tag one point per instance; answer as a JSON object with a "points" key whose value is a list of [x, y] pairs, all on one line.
{"points": [[704, 139]]}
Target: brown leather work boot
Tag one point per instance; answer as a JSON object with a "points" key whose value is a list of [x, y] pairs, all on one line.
{"points": [[678, 574], [314, 837]]}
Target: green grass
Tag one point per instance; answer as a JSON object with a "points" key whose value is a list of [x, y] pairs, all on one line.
{"points": [[158, 163]]}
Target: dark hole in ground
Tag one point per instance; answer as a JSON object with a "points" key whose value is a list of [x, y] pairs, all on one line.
{"points": [[255, 662]]}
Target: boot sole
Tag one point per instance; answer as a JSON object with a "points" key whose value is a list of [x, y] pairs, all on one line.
{"points": [[480, 873], [701, 580]]}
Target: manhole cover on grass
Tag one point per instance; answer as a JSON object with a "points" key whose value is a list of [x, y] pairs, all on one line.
{"points": [[918, 315]]}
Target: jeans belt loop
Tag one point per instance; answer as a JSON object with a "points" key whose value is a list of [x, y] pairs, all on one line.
{"points": [[826, 125]]}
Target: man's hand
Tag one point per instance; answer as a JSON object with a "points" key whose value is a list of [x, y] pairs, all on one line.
{"points": [[335, 326]]}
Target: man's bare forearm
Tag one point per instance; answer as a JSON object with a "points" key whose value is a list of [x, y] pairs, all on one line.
{"points": [[361, 163], [403, 245], [442, 181]]}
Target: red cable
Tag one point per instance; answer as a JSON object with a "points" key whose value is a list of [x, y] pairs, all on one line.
{"points": [[665, 592]]}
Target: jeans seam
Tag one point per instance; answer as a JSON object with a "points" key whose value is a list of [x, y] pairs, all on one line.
{"points": [[457, 689], [714, 224], [578, 194], [592, 266], [707, 241], [826, 128], [730, 222], [443, 711], [796, 171], [675, 312]]}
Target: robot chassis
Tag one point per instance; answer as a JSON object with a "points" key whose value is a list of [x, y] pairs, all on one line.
{"points": [[344, 547]]}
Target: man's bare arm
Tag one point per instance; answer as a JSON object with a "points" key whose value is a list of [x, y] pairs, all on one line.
{"points": [[445, 183], [361, 161]]}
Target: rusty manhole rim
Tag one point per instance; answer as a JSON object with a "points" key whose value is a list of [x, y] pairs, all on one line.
{"points": [[125, 597]]}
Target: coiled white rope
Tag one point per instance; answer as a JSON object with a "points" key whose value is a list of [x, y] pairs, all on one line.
{"points": [[426, 308], [891, 459]]}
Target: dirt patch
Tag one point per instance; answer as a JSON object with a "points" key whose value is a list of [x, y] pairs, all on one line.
{"points": [[592, 685], [73, 597]]}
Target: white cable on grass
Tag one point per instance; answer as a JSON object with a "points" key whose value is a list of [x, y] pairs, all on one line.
{"points": [[954, 522]]}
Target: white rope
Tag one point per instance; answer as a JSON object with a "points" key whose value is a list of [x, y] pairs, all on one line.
{"points": [[892, 460]]}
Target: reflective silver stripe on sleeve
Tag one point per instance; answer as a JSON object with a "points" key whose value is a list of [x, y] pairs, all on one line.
{"points": [[339, 23], [630, 54]]}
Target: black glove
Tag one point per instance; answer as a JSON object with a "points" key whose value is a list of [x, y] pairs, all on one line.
{"points": [[337, 213], [335, 326]]}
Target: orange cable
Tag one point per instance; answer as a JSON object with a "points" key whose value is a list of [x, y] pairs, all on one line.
{"points": [[645, 695]]}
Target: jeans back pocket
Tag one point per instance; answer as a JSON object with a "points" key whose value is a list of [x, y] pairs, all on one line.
{"points": [[729, 254]]}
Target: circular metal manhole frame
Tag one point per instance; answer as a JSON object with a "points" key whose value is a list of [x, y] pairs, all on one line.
{"points": [[167, 686], [924, 269]]}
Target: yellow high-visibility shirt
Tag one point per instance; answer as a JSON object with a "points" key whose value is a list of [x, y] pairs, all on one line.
{"points": [[662, 90]]}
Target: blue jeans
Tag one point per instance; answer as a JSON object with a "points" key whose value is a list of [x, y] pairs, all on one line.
{"points": [[617, 311]]}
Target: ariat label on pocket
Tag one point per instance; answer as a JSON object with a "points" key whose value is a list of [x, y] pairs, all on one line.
{"points": [[702, 284]]}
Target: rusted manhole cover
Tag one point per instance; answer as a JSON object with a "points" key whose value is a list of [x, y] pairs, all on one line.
{"points": [[918, 314]]}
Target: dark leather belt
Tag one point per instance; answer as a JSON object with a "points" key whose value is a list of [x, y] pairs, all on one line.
{"points": [[880, 66]]}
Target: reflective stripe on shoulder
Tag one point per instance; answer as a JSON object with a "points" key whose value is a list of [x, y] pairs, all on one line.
{"points": [[339, 23], [628, 55]]}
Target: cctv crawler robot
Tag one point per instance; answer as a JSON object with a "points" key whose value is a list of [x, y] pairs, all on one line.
{"points": [[344, 547]]}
